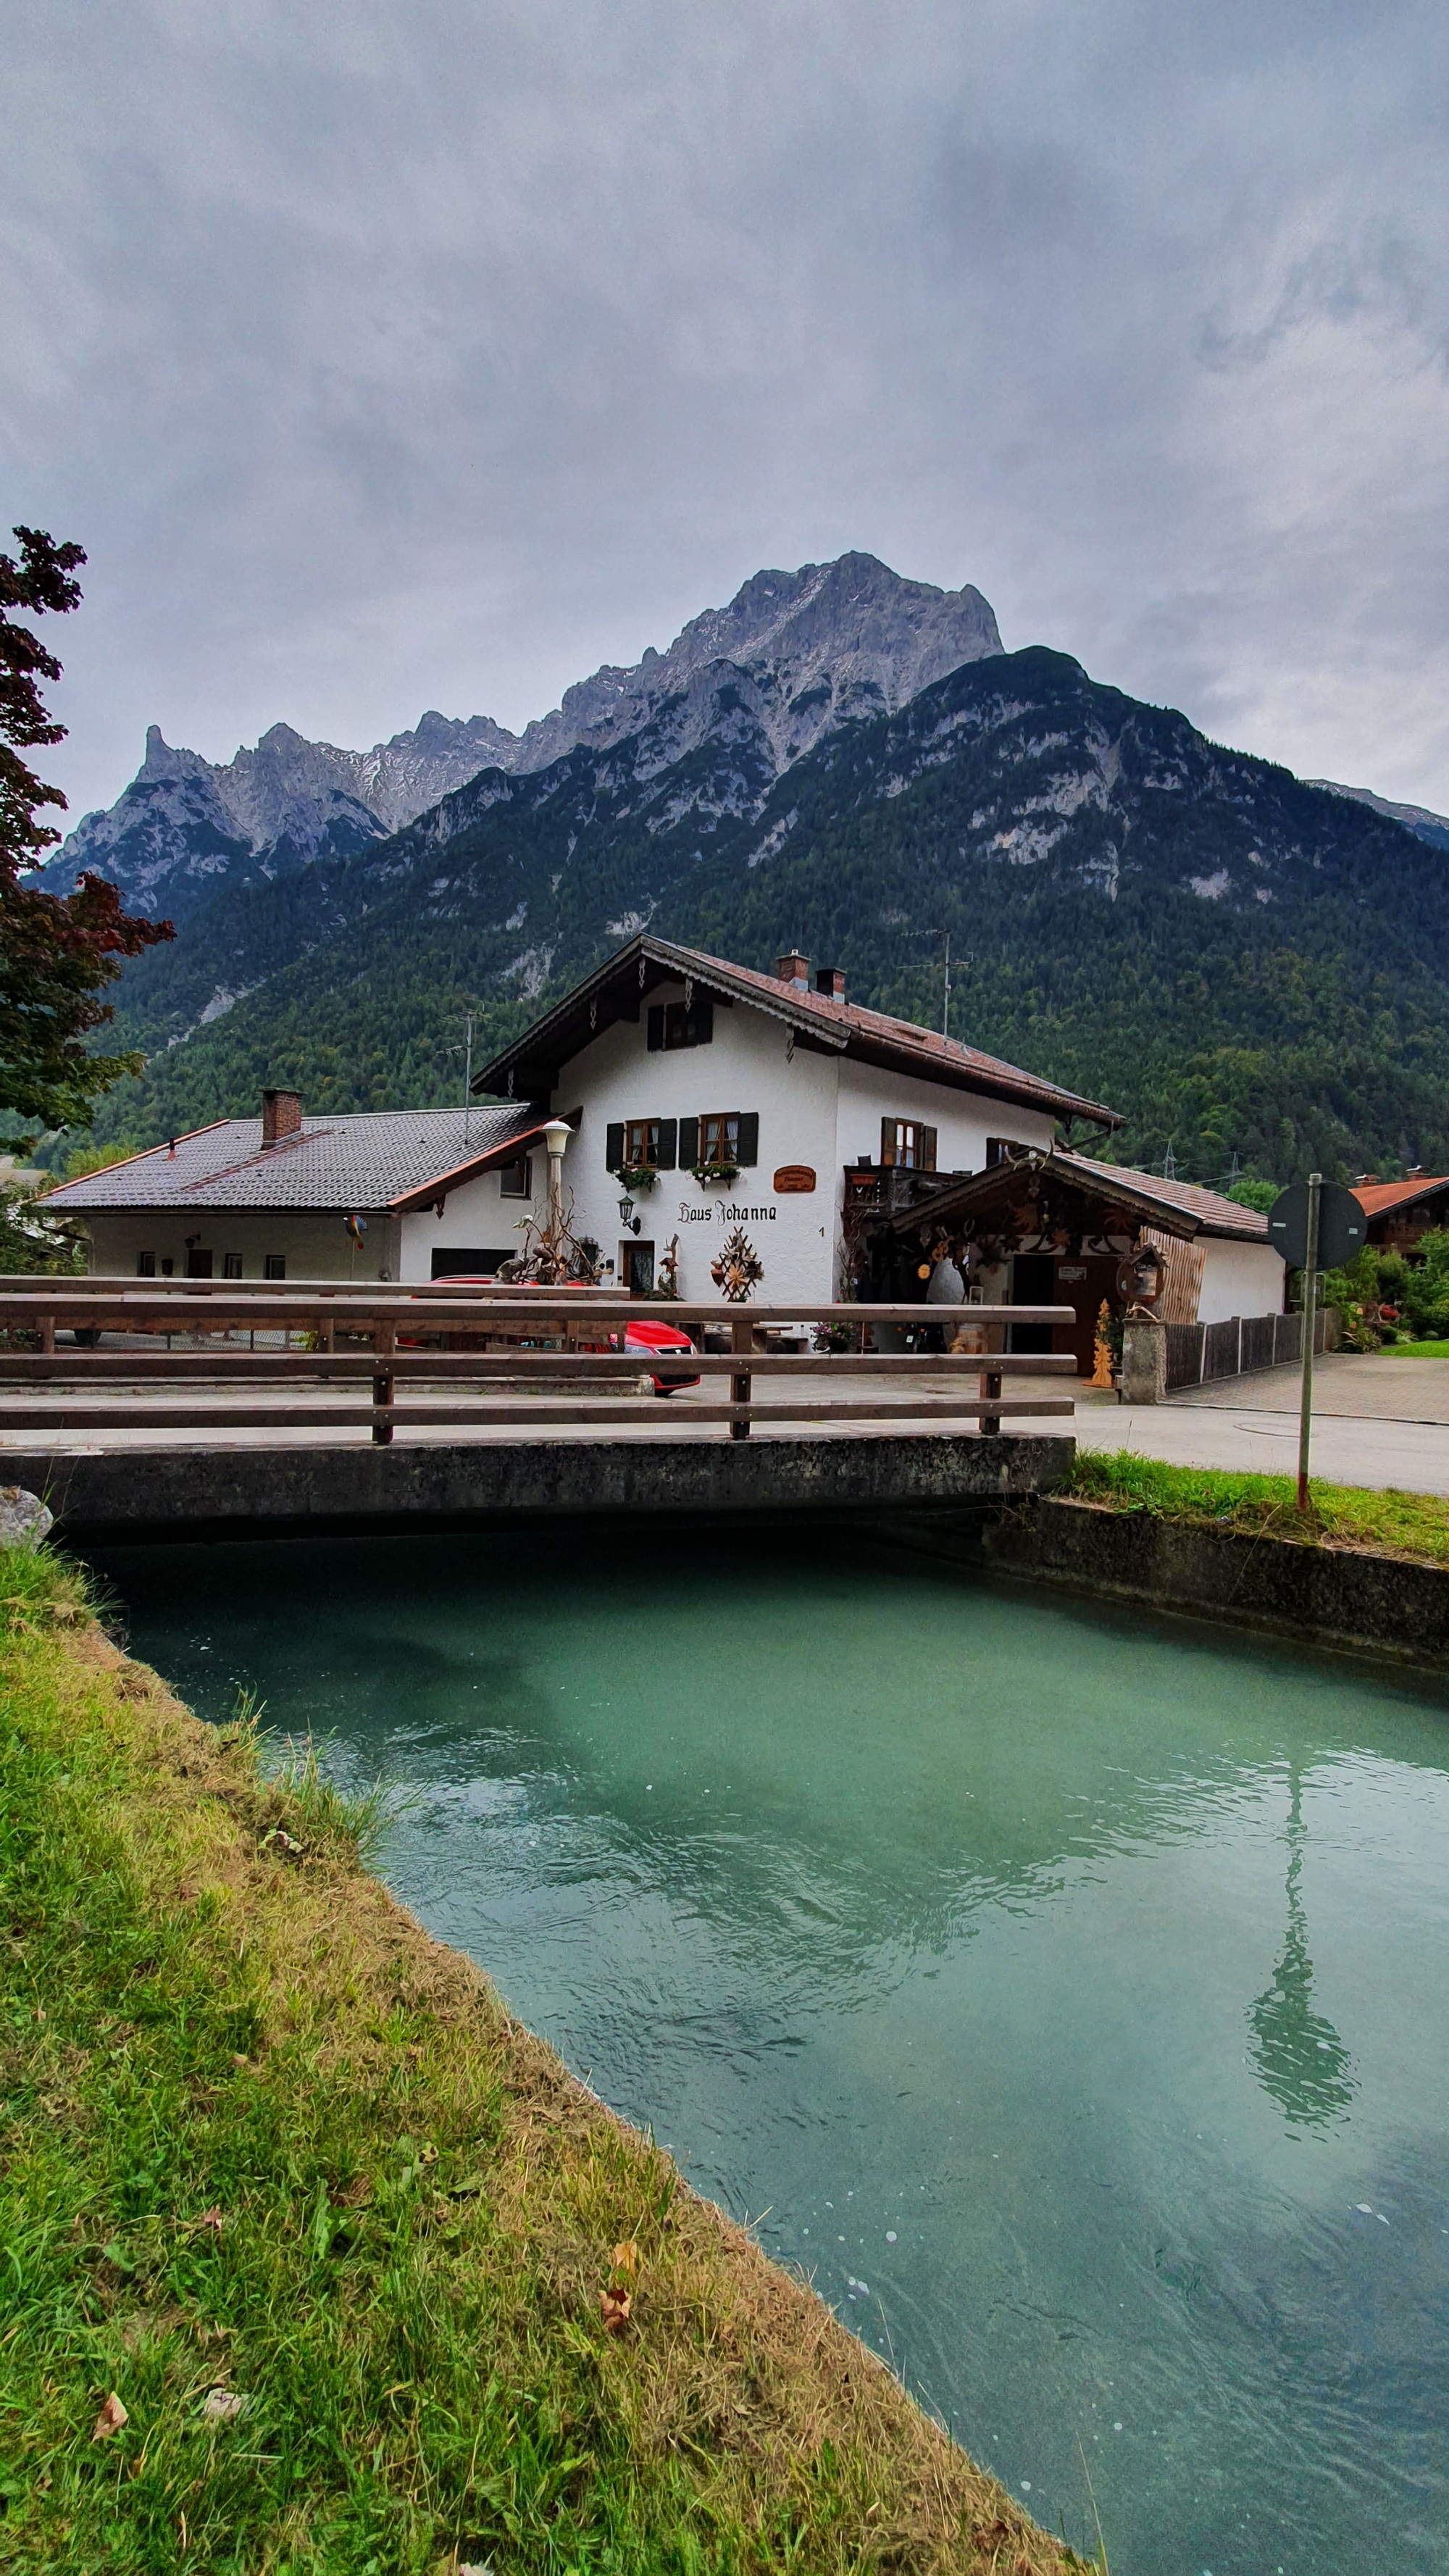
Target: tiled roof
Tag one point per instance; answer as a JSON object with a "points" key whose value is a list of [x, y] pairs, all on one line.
{"points": [[355, 1164], [1376, 1196], [1215, 1214], [1146, 1194], [847, 1028]]}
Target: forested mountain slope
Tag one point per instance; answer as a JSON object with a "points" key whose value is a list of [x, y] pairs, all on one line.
{"points": [[1240, 962]]}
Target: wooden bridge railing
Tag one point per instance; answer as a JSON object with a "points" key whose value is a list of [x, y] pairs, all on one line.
{"points": [[516, 1343]]}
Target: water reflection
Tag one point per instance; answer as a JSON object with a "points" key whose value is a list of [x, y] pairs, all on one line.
{"points": [[1299, 2056]]}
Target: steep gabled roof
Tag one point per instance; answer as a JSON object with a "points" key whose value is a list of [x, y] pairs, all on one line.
{"points": [[380, 1161], [1377, 1197], [532, 1067], [1177, 1207]]}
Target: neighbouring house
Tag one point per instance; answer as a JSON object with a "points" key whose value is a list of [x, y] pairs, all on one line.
{"points": [[1048, 1227], [1399, 1212], [716, 1100], [387, 1195]]}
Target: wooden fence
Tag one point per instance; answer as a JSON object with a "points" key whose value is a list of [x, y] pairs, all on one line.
{"points": [[1198, 1352], [431, 1357]]}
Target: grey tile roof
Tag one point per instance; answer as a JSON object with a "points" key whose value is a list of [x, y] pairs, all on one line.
{"points": [[355, 1164]]}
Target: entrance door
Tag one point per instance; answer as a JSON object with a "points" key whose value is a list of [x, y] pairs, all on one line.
{"points": [[1033, 1283], [639, 1269], [198, 1265], [1082, 1283]]}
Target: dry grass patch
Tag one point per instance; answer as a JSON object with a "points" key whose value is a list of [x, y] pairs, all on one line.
{"points": [[288, 2183]]}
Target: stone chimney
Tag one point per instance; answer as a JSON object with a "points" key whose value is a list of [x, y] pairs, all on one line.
{"points": [[794, 969], [281, 1115], [830, 981]]}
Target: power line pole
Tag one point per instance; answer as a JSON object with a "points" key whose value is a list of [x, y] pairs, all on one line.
{"points": [[467, 1077]]}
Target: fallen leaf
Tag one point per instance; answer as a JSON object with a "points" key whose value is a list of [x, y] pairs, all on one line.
{"points": [[614, 2308], [222, 2406], [211, 2218], [110, 2419], [358, 2191], [626, 2259]]}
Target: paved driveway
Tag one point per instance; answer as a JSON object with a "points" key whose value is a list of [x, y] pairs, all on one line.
{"points": [[1375, 1422]]}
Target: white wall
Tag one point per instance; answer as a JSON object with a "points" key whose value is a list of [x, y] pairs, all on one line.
{"points": [[745, 1068], [475, 1218], [1239, 1279], [962, 1119], [313, 1246]]}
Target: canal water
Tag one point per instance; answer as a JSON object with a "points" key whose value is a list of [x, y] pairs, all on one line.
{"points": [[1064, 1990]]}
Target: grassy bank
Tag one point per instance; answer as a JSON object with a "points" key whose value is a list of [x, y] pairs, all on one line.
{"points": [[307, 2245], [1390, 1523]]}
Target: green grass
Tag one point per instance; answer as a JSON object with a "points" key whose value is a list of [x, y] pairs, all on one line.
{"points": [[1414, 1350], [1393, 1523], [284, 2179]]}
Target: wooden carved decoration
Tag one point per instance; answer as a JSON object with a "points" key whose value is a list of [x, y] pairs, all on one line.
{"points": [[739, 1267]]}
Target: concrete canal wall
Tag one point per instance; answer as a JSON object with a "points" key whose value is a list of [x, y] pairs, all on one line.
{"points": [[213, 1493], [1328, 1596]]}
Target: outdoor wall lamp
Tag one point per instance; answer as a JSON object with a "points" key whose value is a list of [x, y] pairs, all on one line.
{"points": [[626, 1208]]}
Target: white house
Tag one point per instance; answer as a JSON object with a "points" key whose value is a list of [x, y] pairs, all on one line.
{"points": [[726, 1099], [706, 1102], [388, 1195], [710, 1098]]}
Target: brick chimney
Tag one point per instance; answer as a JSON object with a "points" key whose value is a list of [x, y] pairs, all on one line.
{"points": [[830, 981], [792, 968], [281, 1115]]}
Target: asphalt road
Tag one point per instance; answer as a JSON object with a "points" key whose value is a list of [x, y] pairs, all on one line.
{"points": [[1376, 1421]]}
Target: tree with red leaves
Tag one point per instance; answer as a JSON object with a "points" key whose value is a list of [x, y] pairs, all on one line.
{"points": [[57, 952]]}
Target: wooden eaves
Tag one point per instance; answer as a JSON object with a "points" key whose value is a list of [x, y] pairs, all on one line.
{"points": [[999, 1183]]}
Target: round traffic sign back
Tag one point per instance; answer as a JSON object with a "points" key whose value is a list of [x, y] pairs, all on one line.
{"points": [[1342, 1226]]}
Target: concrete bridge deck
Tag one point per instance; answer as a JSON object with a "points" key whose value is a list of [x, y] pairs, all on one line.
{"points": [[251, 1488]]}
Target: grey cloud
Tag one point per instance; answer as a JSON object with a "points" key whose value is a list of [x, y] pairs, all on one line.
{"points": [[431, 355]]}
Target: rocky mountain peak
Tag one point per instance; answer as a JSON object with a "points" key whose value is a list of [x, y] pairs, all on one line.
{"points": [[809, 649]]}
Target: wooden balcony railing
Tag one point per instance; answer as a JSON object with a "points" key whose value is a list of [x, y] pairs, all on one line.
{"points": [[430, 1357]]}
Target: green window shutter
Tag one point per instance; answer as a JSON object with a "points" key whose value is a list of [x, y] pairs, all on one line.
{"points": [[614, 1145], [656, 1027], [749, 1137], [700, 1024], [668, 1138], [688, 1144], [928, 1149]]}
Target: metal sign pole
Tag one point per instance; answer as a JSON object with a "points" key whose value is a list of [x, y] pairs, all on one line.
{"points": [[1310, 1319]]}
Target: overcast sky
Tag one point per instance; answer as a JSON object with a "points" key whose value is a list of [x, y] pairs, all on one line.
{"points": [[407, 353]]}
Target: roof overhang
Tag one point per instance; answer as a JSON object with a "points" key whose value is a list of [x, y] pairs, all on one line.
{"points": [[1016, 1178], [533, 1066], [433, 1193]]}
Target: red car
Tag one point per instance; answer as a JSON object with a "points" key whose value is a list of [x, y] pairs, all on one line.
{"points": [[646, 1335]]}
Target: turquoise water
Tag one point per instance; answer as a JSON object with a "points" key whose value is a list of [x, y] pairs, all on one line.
{"points": [[1065, 1991]]}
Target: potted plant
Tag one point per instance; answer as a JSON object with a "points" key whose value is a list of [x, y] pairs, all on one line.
{"points": [[636, 1178], [704, 1173]]}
